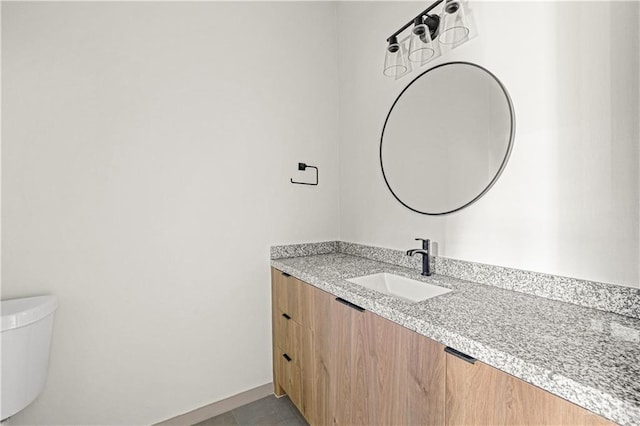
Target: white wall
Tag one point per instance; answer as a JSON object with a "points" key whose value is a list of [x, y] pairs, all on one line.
{"points": [[567, 202], [147, 154]]}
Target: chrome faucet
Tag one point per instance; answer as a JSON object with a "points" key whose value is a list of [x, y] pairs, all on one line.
{"points": [[426, 266]]}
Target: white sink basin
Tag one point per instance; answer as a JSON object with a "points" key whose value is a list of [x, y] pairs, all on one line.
{"points": [[395, 285]]}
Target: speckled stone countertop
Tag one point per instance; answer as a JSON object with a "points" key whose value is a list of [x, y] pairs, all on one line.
{"points": [[587, 356]]}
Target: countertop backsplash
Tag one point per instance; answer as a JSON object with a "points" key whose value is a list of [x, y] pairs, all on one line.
{"points": [[602, 296]]}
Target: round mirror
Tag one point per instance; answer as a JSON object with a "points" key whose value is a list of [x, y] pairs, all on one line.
{"points": [[447, 138]]}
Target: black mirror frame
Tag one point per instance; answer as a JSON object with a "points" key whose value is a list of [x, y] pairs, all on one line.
{"points": [[504, 161]]}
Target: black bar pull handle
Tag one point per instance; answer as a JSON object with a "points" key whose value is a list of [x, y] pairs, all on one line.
{"points": [[349, 304], [460, 355], [284, 274], [287, 357], [286, 316]]}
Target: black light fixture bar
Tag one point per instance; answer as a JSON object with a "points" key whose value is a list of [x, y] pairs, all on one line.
{"points": [[408, 24]]}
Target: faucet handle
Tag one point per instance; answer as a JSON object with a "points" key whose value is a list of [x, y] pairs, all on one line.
{"points": [[425, 242]]}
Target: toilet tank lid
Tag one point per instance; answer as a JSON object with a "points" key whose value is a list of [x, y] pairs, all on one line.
{"points": [[20, 312]]}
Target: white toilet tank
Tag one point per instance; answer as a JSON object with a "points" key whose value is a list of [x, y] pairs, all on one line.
{"points": [[25, 340]]}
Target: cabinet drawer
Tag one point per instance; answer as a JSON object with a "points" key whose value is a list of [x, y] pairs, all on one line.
{"points": [[289, 377], [288, 336], [290, 295]]}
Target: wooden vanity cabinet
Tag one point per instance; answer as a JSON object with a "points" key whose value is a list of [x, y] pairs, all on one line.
{"points": [[342, 365]]}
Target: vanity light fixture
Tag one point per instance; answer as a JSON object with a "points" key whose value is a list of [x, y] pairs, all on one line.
{"points": [[454, 27], [395, 64], [429, 31], [421, 45]]}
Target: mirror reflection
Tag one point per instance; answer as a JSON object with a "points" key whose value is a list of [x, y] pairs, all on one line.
{"points": [[447, 138]]}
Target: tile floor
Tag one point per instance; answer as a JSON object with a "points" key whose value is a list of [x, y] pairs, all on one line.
{"points": [[268, 411]]}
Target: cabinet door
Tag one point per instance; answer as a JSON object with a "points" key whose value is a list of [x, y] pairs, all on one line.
{"points": [[332, 344], [480, 394], [406, 375], [370, 371], [341, 363]]}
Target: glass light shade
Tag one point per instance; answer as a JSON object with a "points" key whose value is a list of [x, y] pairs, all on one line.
{"points": [[395, 64], [421, 47], [453, 23]]}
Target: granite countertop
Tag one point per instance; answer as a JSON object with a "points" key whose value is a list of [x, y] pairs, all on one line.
{"points": [[587, 356]]}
